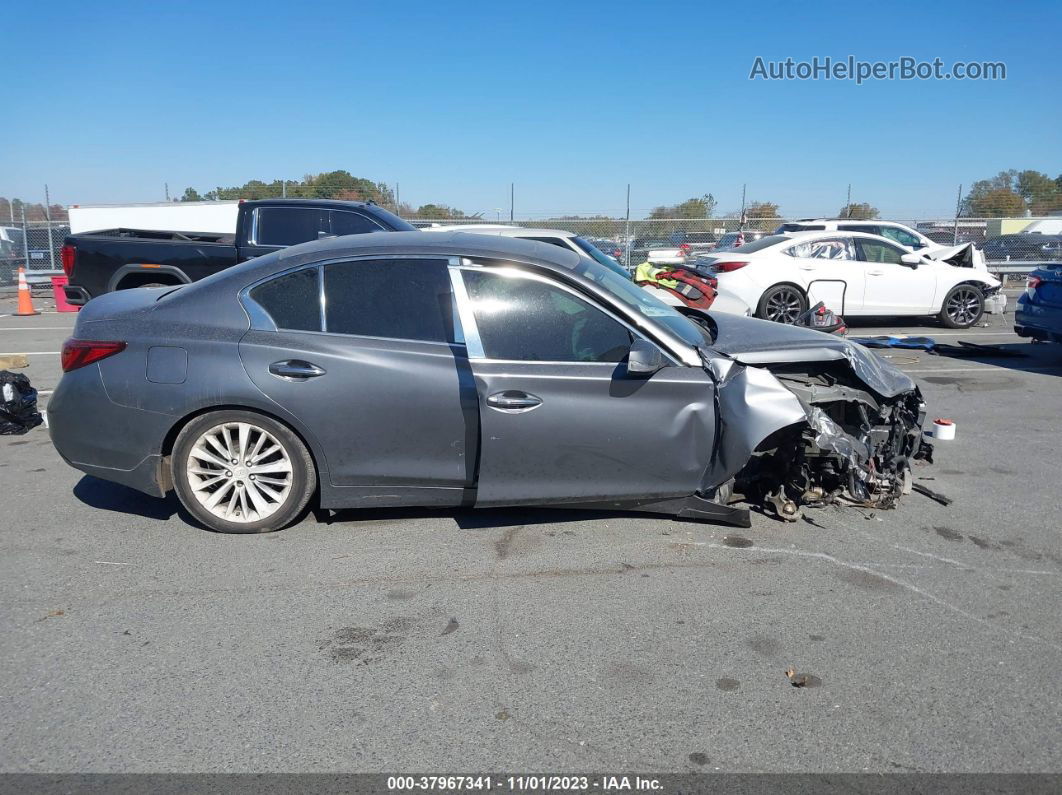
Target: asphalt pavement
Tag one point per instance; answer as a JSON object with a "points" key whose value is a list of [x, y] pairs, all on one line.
{"points": [[561, 641]]}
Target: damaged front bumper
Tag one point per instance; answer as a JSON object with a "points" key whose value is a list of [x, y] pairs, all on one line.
{"points": [[813, 425]]}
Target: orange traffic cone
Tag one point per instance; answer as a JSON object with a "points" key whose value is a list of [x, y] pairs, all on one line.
{"points": [[25, 300]]}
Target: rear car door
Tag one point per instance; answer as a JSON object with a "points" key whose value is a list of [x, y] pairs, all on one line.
{"points": [[367, 355], [832, 274], [560, 418], [891, 287], [274, 227]]}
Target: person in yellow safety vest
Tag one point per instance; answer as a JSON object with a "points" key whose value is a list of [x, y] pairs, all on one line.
{"points": [[647, 272]]}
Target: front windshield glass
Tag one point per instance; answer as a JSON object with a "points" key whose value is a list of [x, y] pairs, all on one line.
{"points": [[601, 257], [634, 297]]}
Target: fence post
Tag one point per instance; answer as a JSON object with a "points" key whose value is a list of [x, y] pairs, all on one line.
{"points": [[25, 237], [48, 218]]}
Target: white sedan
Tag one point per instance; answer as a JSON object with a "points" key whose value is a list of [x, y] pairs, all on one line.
{"points": [[853, 274]]}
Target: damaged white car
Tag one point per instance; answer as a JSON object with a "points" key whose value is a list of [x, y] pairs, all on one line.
{"points": [[854, 274]]}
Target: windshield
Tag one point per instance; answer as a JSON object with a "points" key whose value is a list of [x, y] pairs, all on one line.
{"points": [[634, 297], [600, 257]]}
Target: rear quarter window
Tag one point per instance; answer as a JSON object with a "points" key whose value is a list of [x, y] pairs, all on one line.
{"points": [[292, 301]]}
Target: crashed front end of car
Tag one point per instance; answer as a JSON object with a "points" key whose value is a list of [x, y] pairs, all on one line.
{"points": [[810, 420]]}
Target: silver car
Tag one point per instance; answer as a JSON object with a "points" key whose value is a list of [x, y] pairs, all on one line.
{"points": [[451, 369]]}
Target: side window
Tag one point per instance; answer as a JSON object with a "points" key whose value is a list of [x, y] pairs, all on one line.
{"points": [[293, 301], [349, 223], [527, 320], [872, 251], [870, 229], [835, 248], [288, 226], [901, 236], [409, 299]]}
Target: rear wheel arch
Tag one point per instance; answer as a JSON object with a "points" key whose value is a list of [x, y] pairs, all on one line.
{"points": [[175, 430], [129, 276]]}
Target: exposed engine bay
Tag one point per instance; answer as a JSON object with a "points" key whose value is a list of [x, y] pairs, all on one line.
{"points": [[855, 447], [810, 420]]}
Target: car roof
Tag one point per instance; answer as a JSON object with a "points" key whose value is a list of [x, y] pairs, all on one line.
{"points": [[501, 230]]}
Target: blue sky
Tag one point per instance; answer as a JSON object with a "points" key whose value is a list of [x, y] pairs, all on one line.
{"points": [[571, 101]]}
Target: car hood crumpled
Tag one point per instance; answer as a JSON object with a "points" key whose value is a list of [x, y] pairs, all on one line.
{"points": [[964, 255], [762, 343]]}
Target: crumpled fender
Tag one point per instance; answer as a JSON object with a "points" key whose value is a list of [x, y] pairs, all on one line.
{"points": [[751, 405], [965, 255]]}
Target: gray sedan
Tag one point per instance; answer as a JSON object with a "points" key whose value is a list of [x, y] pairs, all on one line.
{"points": [[453, 369]]}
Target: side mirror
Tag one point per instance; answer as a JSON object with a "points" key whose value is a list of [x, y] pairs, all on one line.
{"points": [[644, 358], [910, 260]]}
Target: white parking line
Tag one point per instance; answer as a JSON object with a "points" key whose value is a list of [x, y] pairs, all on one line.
{"points": [[987, 370], [32, 353]]}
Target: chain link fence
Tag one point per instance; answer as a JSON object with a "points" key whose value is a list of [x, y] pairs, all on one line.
{"points": [[1005, 241]]}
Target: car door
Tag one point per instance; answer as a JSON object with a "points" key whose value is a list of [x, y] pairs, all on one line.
{"points": [[892, 287], [560, 418], [828, 270], [367, 355]]}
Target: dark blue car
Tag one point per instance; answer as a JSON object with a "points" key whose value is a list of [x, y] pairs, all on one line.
{"points": [[1039, 312]]}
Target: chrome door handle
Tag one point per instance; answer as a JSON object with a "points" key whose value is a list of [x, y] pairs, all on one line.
{"points": [[875, 273], [295, 370], [513, 399]]}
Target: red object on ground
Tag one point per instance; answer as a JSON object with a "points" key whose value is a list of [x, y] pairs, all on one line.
{"points": [[61, 305]]}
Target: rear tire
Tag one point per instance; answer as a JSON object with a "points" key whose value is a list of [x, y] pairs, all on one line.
{"points": [[242, 472], [783, 303], [963, 306]]}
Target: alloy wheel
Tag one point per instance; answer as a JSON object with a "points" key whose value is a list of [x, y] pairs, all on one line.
{"points": [[783, 306], [963, 306], [239, 472]]}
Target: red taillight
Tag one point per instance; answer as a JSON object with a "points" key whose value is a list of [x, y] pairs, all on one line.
{"points": [[726, 267], [68, 255], [78, 353]]}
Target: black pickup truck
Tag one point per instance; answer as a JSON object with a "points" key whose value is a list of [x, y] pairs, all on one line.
{"points": [[117, 259]]}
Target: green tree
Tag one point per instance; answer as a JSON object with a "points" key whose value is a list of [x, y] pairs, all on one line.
{"points": [[191, 195], [438, 212], [859, 211], [1041, 193], [994, 203], [702, 207]]}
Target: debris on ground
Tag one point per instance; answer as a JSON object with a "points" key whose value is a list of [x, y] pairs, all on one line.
{"points": [[18, 404], [801, 680], [933, 495], [52, 614], [451, 627]]}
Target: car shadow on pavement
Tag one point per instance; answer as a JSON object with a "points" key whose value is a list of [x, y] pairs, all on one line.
{"points": [[466, 518], [109, 496]]}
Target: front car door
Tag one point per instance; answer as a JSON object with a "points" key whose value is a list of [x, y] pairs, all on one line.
{"points": [[891, 287], [560, 418], [368, 356]]}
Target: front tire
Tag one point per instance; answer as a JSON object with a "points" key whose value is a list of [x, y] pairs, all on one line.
{"points": [[783, 303], [242, 472], [963, 306]]}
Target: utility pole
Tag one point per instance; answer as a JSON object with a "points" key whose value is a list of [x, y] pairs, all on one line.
{"points": [[25, 235], [741, 220], [48, 218], [166, 185], [283, 189], [848, 203], [398, 197], [512, 201], [627, 231], [955, 228]]}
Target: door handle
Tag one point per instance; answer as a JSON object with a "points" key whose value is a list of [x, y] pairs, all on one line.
{"points": [[875, 273], [806, 267], [513, 399], [295, 370]]}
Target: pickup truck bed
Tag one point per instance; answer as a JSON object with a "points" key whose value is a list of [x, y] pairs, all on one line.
{"points": [[118, 259]]}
